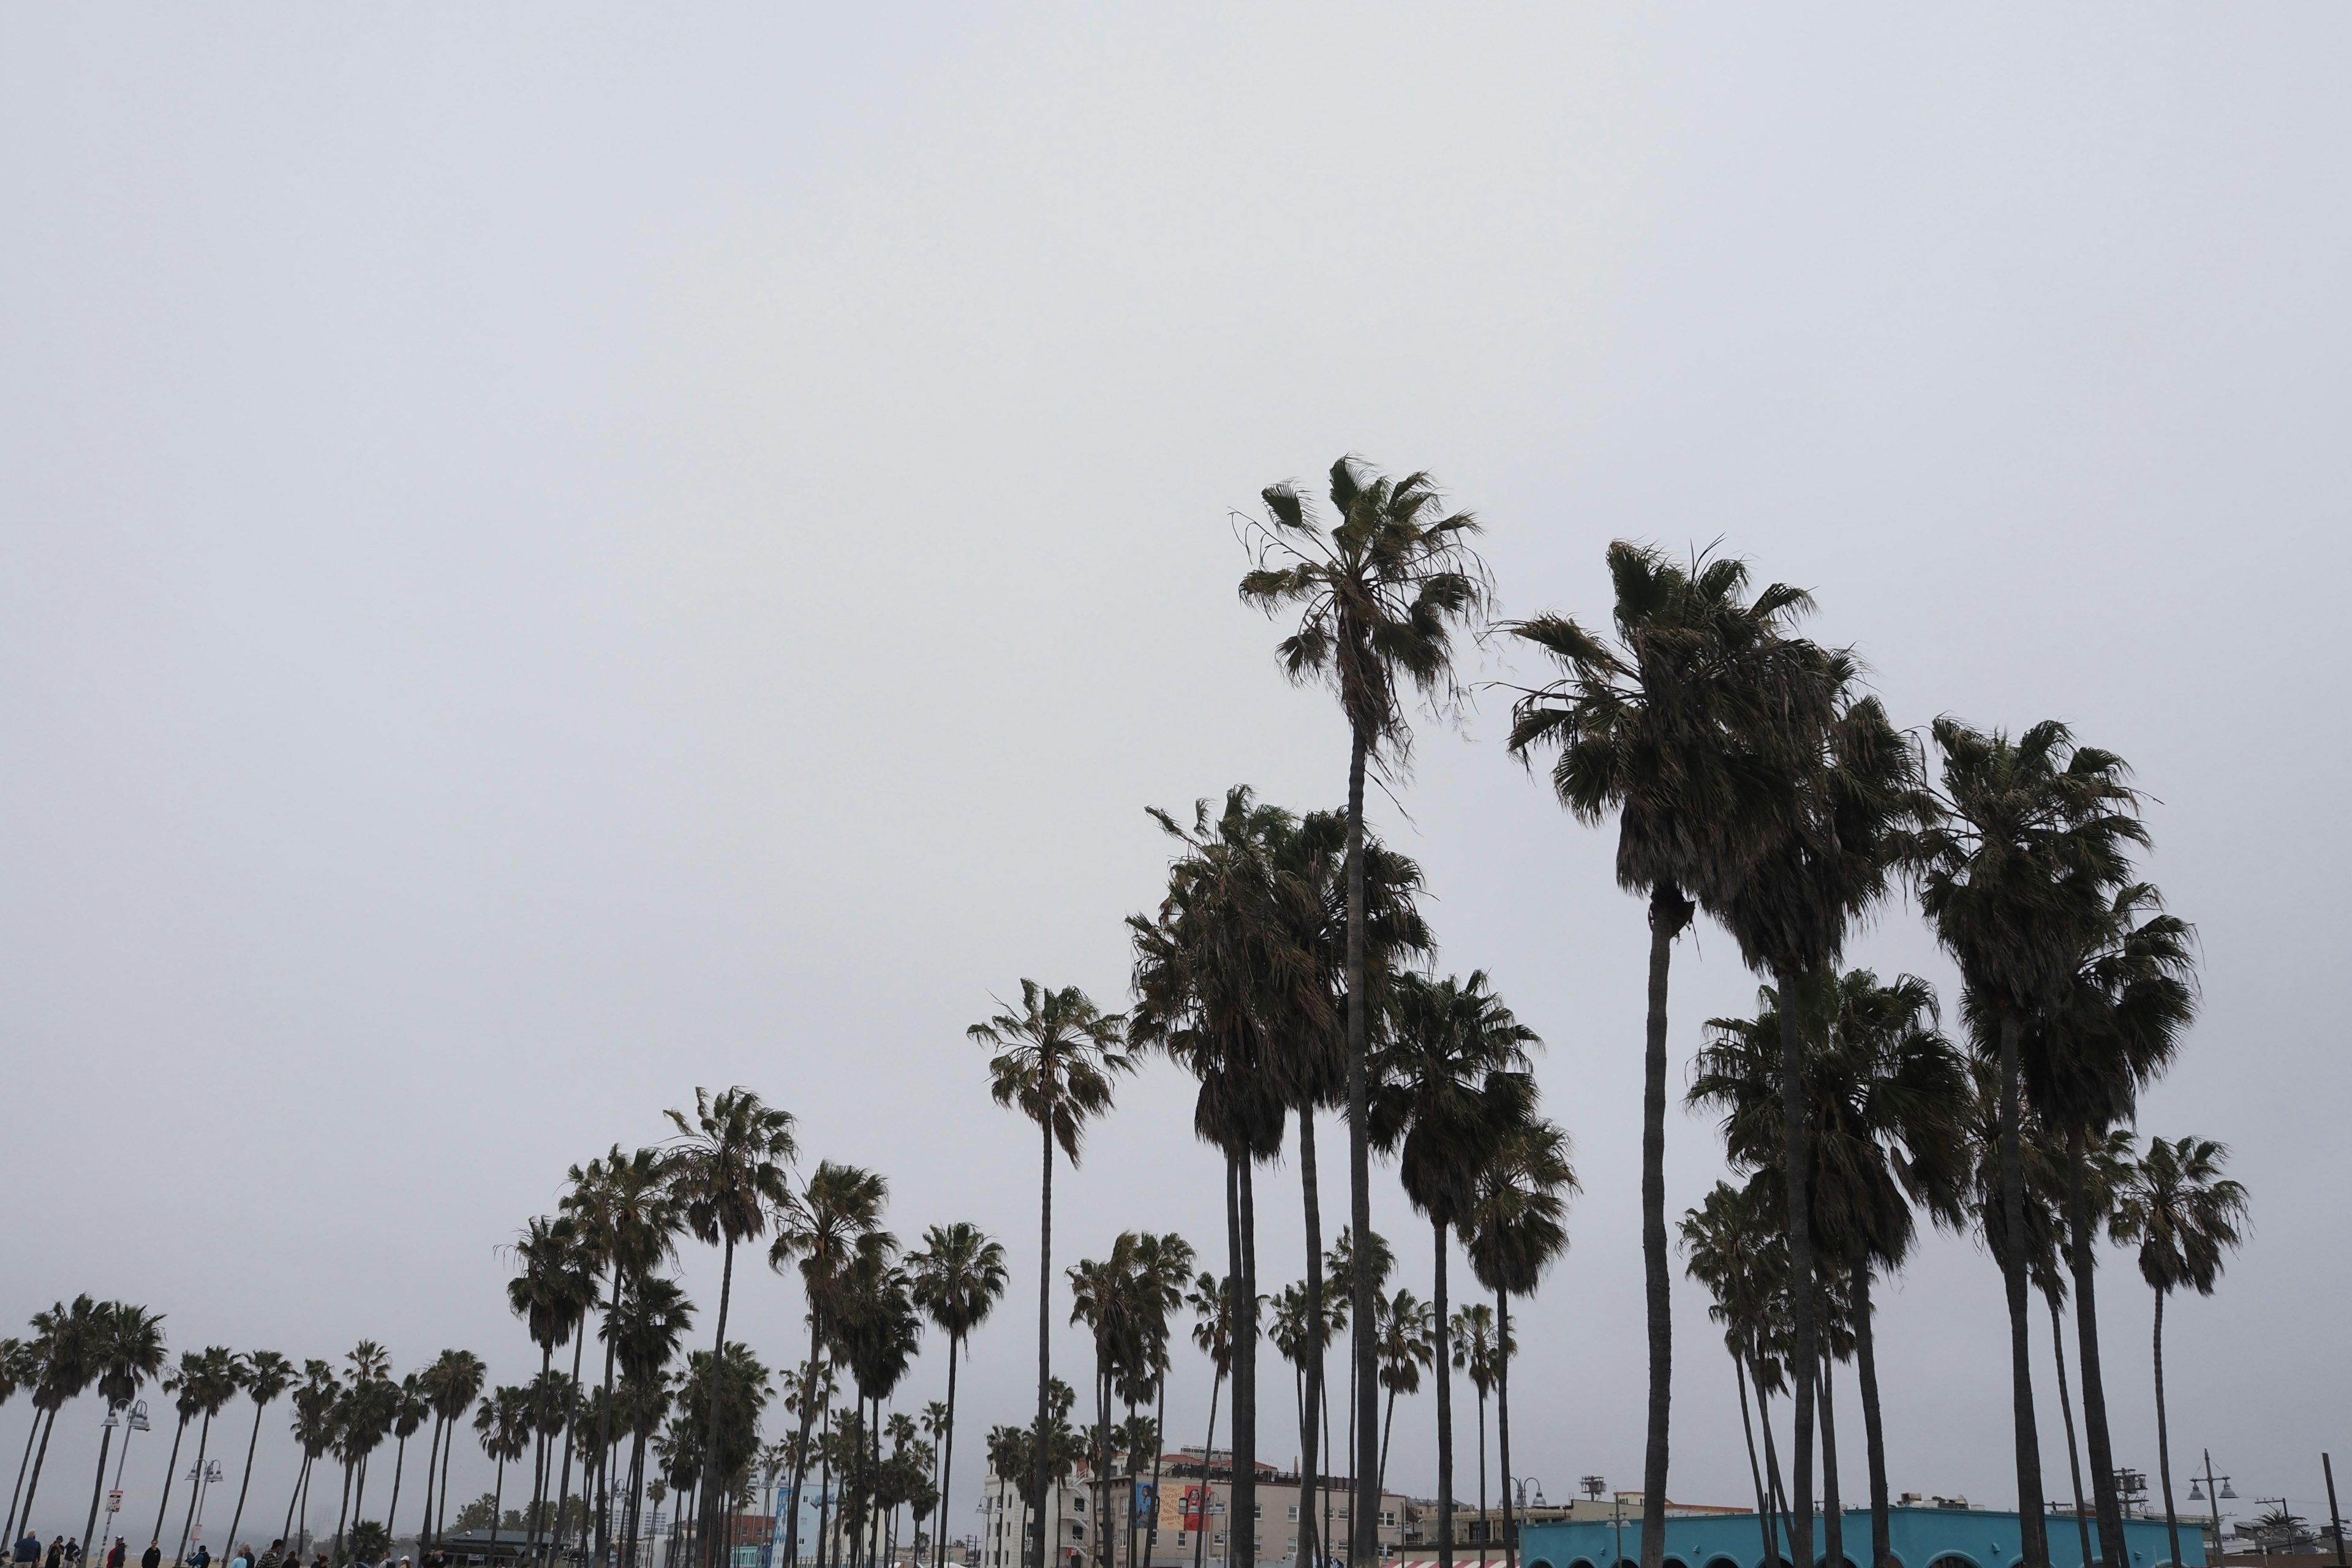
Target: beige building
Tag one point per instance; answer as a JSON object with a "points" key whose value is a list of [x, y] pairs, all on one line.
{"points": [[1193, 1522]]}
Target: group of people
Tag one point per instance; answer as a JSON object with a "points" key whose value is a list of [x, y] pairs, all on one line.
{"points": [[63, 1553]]}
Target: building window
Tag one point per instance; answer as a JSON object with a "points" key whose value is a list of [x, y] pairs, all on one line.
{"points": [[1258, 1511], [1294, 1513], [1387, 1518]]}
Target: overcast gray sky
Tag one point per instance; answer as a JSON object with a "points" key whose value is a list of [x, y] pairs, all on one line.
{"points": [[549, 556]]}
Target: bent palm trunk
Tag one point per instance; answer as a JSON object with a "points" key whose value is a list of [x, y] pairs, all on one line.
{"points": [[2083, 1258], [1804, 1358], [2164, 1441], [1669, 913], [1873, 1431], [2066, 1411]]}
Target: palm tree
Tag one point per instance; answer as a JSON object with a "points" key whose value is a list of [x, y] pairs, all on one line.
{"points": [[1056, 1061], [550, 1291], [505, 1423], [625, 1208], [452, 1382], [653, 1322], [410, 1406], [1478, 1352], [2083, 1064], [1405, 1349], [1100, 1299], [1675, 728], [877, 1331], [219, 1373], [126, 1348], [728, 1174], [65, 1344], [2016, 873], [364, 1417], [1743, 1262], [2184, 1215], [1212, 1300], [1885, 1097], [1379, 595], [959, 1275], [313, 1426], [1450, 1078], [821, 1228], [19, 1369], [1341, 1265], [1518, 1226], [267, 1375]]}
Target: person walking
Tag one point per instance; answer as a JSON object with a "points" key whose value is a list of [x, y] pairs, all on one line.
{"points": [[57, 1557], [116, 1553], [154, 1556], [28, 1550], [200, 1558]]}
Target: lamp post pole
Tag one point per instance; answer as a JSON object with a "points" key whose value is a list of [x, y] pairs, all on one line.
{"points": [[2335, 1519]]}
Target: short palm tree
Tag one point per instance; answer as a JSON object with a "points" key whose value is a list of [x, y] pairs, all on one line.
{"points": [[2185, 1215], [959, 1275], [452, 1382], [410, 1410], [219, 1374], [1450, 1079], [820, 1230], [267, 1375], [1743, 1261], [1478, 1354], [1677, 729], [1054, 1060], [1518, 1229], [1405, 1349], [1212, 1300], [505, 1423], [629, 1218], [2016, 871], [19, 1370], [126, 1350], [65, 1344], [315, 1401], [1380, 594], [728, 1170]]}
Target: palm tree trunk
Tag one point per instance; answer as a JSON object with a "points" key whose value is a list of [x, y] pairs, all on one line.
{"points": [[707, 1502], [498, 1502], [343, 1514], [1041, 1464], [1208, 1447], [425, 1512], [1159, 1441], [1503, 1421], [2164, 1439], [195, 1490], [1487, 1525], [1873, 1431], [1776, 1496], [1754, 1473], [301, 1473], [538, 1447], [571, 1420], [2066, 1411], [1363, 1544], [2082, 1255], [441, 1492], [170, 1468], [252, 1442], [40, 1457], [1102, 1552], [1388, 1430], [1832, 1506], [1244, 1532], [98, 1485], [17, 1492], [808, 1420], [392, 1509], [1311, 1466], [2035, 1541], [604, 1425], [1444, 1370], [1669, 913], [947, 1464], [1804, 1357]]}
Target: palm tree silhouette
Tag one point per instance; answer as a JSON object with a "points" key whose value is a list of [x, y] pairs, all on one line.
{"points": [[821, 1228], [505, 1424], [315, 1404], [1212, 1300], [1743, 1261], [1378, 595], [959, 1275], [629, 1220], [19, 1370], [1517, 1227], [1056, 1061], [409, 1408], [1450, 1078], [1477, 1354], [727, 1172], [65, 1342], [265, 1376], [653, 1322], [2185, 1215], [1405, 1350], [2016, 873], [451, 1383], [218, 1374], [1675, 728], [127, 1349]]}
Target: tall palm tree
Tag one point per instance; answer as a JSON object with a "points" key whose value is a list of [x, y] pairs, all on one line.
{"points": [[1379, 595], [729, 1173], [19, 1370], [126, 1348], [1743, 1262], [2016, 873], [65, 1344], [1885, 1097], [267, 1375], [452, 1382], [821, 1228], [959, 1275], [549, 1293], [1056, 1061], [1100, 1299], [1479, 1355], [410, 1408], [1518, 1229], [1678, 727], [653, 1322], [219, 1374], [1450, 1078], [2184, 1215], [877, 1330], [505, 1424], [313, 1426], [2083, 1064], [1212, 1300], [1406, 1348], [625, 1208]]}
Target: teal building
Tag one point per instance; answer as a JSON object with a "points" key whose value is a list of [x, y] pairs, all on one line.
{"points": [[1921, 1538]]}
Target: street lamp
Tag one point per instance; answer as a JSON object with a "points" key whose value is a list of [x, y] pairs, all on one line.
{"points": [[2212, 1495]]}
